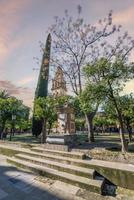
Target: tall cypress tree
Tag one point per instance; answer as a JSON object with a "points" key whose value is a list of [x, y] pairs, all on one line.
{"points": [[42, 85]]}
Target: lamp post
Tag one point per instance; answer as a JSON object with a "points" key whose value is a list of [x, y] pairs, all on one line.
{"points": [[13, 125], [0, 120]]}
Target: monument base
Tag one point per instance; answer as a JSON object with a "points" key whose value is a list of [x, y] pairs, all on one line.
{"points": [[60, 142]]}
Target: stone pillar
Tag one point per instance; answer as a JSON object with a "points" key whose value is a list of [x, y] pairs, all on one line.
{"points": [[66, 120]]}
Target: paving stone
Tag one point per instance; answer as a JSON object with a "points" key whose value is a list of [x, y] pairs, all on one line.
{"points": [[90, 184], [3, 194], [64, 187], [13, 180]]}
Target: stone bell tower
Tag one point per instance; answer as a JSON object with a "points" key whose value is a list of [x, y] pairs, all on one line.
{"points": [[66, 117], [59, 84]]}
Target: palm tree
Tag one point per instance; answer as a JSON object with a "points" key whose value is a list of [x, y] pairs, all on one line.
{"points": [[4, 94]]}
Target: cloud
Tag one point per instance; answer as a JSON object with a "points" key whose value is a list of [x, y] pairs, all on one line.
{"points": [[124, 17], [23, 93], [12, 89], [26, 80], [10, 19]]}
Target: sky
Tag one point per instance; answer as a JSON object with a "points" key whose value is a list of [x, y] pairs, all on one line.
{"points": [[23, 23]]}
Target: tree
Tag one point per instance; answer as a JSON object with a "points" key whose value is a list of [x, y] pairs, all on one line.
{"points": [[17, 111], [75, 44], [3, 110], [126, 105], [42, 85], [14, 105], [4, 114], [109, 78], [80, 124], [9, 107], [4, 94], [79, 114], [45, 110], [89, 102], [101, 122], [22, 117], [51, 120]]}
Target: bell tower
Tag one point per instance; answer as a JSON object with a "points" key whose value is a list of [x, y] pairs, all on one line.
{"points": [[59, 84], [66, 117]]}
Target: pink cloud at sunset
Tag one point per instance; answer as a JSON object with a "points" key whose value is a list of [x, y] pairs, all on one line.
{"points": [[11, 13], [124, 17], [19, 92], [26, 80]]}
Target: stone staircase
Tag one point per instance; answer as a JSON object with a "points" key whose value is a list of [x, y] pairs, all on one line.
{"points": [[69, 167]]}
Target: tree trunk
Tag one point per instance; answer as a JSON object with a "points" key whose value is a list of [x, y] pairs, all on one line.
{"points": [[124, 142], [50, 126], [44, 132], [89, 120], [10, 139], [2, 129], [129, 133]]}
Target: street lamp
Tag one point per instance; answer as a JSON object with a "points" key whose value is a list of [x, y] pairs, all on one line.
{"points": [[13, 117], [0, 126], [0, 114], [13, 123]]}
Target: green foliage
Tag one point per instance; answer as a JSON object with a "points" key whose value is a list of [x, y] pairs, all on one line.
{"points": [[24, 125], [89, 99], [62, 100], [45, 109], [108, 78], [77, 108], [104, 120], [80, 123], [4, 94], [10, 106], [125, 104], [4, 109]]}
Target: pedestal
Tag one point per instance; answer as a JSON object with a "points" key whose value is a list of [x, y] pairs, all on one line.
{"points": [[60, 142]]}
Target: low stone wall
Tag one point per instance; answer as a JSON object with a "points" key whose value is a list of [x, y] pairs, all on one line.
{"points": [[118, 173], [120, 178]]}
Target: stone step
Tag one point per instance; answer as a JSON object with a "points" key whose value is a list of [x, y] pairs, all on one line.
{"points": [[82, 182], [80, 171], [11, 151], [76, 155], [56, 158]]}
